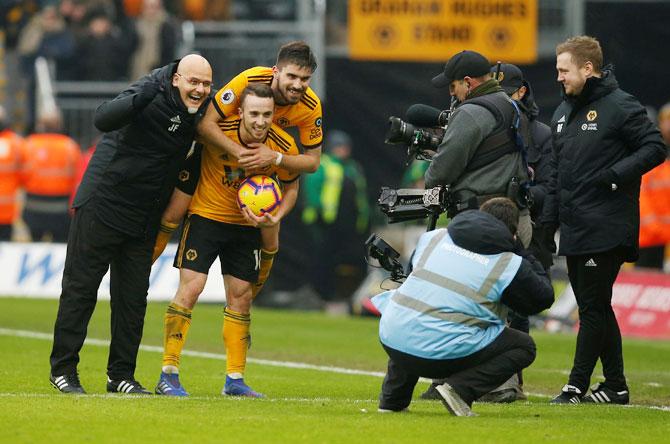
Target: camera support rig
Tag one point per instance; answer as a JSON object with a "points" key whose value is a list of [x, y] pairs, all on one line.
{"points": [[408, 204], [402, 205]]}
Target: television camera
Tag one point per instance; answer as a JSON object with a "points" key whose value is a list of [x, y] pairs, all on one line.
{"points": [[421, 132]]}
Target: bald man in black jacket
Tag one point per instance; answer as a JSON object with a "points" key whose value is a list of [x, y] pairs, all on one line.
{"points": [[149, 129]]}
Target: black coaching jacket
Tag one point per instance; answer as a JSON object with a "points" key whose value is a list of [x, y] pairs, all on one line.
{"points": [[600, 137], [135, 166]]}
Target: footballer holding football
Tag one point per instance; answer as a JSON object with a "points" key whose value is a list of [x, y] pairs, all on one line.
{"points": [[296, 105], [216, 226]]}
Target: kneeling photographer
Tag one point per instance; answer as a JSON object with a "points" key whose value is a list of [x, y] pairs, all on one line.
{"points": [[447, 320], [481, 155]]}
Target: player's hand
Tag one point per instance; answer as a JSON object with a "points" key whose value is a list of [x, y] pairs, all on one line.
{"points": [[260, 156], [265, 221]]}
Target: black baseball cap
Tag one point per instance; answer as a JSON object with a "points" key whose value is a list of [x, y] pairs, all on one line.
{"points": [[510, 77], [465, 63]]}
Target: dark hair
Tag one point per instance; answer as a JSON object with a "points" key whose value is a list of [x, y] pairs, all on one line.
{"points": [[504, 210], [297, 53], [583, 48], [258, 90]]}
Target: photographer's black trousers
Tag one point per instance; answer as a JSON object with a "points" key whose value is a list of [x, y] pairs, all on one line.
{"points": [[592, 277], [471, 376], [92, 249]]}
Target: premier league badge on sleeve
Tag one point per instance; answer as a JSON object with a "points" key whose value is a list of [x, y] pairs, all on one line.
{"points": [[227, 97]]}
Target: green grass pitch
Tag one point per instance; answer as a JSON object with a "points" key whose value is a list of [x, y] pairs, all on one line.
{"points": [[316, 403]]}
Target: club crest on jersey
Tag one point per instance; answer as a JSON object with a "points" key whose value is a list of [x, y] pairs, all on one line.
{"points": [[591, 115], [317, 122], [227, 97], [184, 175], [191, 254], [283, 122]]}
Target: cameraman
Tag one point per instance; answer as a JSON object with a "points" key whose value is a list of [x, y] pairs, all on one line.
{"points": [[479, 156], [512, 81], [447, 320]]}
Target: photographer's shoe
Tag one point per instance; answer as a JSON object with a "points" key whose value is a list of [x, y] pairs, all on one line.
{"points": [[67, 383], [431, 393], [569, 395], [453, 401], [127, 386], [603, 395], [507, 392], [504, 396]]}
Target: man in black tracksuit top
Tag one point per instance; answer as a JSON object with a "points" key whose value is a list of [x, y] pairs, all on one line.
{"points": [[149, 129], [603, 144]]}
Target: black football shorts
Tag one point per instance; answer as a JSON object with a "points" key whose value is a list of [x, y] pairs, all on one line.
{"points": [[237, 246]]}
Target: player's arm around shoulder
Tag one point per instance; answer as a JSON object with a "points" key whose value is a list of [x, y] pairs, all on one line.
{"points": [[310, 159], [311, 138], [209, 133]]}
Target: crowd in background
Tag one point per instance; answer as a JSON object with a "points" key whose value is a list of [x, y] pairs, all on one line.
{"points": [[121, 40]]}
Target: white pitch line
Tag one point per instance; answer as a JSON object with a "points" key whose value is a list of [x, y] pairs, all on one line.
{"points": [[206, 355], [219, 356]]}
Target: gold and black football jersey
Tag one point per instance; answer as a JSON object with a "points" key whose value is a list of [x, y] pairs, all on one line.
{"points": [[306, 114], [220, 175]]}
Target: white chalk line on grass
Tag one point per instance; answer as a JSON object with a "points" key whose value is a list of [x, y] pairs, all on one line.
{"points": [[131, 398], [221, 357], [207, 355], [123, 397]]}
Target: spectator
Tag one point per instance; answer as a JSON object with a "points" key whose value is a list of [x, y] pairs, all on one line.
{"points": [[337, 211], [46, 35], [158, 36], [102, 50], [14, 16], [655, 205], [49, 167], [10, 167], [74, 14]]}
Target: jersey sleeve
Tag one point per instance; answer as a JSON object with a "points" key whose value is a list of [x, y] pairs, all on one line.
{"points": [[284, 175], [311, 127], [226, 101]]}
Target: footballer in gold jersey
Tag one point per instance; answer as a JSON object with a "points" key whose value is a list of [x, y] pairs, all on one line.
{"points": [[216, 226], [296, 105]]}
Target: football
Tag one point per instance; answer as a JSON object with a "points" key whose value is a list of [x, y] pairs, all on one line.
{"points": [[260, 193]]}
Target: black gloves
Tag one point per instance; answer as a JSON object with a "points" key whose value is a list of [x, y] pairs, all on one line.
{"points": [[607, 179], [147, 93]]}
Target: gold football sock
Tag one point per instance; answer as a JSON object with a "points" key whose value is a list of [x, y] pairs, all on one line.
{"points": [[164, 235], [267, 258], [236, 339], [177, 323]]}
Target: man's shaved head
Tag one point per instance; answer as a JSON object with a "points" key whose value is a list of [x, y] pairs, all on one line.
{"points": [[194, 80]]}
